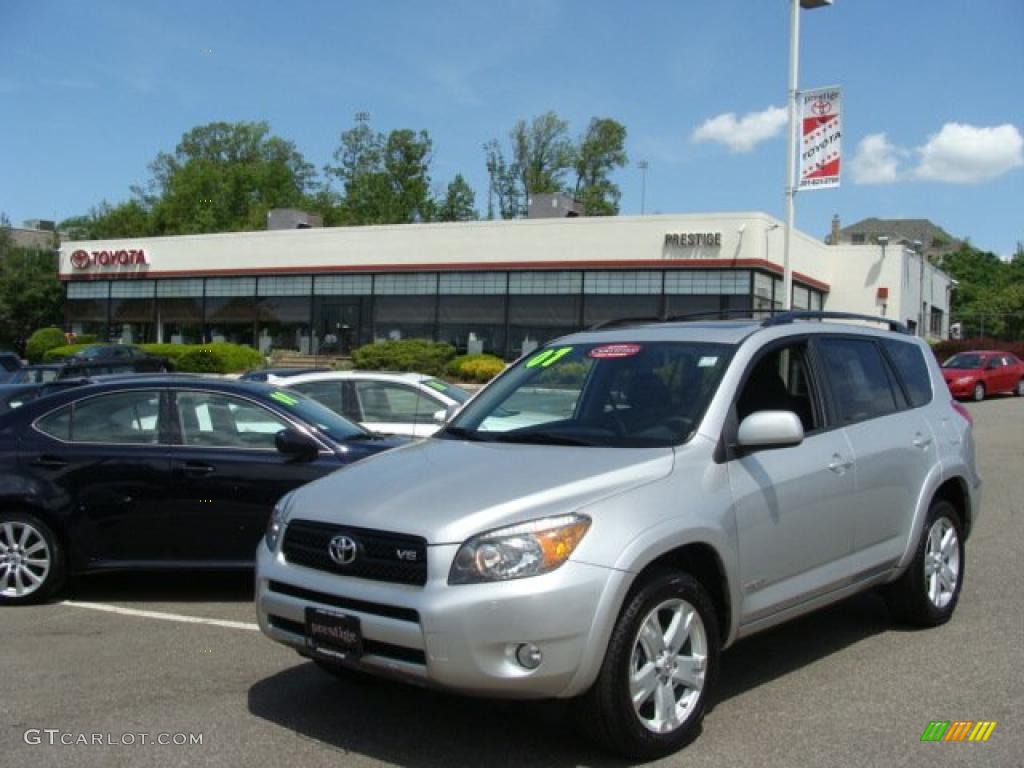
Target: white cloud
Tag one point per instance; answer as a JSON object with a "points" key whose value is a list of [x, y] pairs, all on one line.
{"points": [[968, 154], [744, 134], [877, 160]]}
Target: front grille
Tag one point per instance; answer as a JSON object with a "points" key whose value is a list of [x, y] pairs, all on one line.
{"points": [[380, 555], [370, 647]]}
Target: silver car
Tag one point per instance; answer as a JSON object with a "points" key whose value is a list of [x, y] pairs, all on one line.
{"points": [[619, 506]]}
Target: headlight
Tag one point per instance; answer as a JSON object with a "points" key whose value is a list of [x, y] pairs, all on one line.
{"points": [[527, 549], [963, 380], [277, 520]]}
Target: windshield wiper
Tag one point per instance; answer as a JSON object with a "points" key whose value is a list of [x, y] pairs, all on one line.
{"points": [[541, 438], [463, 434]]}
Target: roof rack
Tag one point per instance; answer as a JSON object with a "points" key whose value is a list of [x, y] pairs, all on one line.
{"points": [[810, 314]]}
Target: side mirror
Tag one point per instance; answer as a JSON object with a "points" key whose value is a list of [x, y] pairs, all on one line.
{"points": [[296, 445], [443, 417], [770, 429]]}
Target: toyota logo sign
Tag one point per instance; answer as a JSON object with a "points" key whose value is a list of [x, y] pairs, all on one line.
{"points": [[131, 257], [80, 259], [342, 550]]}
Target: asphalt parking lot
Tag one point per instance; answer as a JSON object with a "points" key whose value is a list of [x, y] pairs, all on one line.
{"points": [[180, 655]]}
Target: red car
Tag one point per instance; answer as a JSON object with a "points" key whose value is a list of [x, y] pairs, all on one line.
{"points": [[983, 372]]}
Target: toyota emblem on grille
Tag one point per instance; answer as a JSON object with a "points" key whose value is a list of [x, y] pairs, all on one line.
{"points": [[342, 550]]}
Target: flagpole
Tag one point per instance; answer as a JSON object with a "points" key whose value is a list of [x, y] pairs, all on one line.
{"points": [[794, 60]]}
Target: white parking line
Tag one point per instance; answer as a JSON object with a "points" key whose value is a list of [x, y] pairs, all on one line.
{"points": [[161, 616]]}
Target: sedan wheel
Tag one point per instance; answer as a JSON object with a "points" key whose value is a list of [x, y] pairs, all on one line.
{"points": [[31, 564], [979, 392], [1019, 391]]}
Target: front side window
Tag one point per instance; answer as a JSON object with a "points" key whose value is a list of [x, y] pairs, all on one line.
{"points": [[781, 381], [329, 393], [643, 394], [219, 421], [858, 379], [120, 417]]}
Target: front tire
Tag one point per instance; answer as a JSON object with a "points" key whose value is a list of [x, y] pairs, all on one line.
{"points": [[927, 593], [662, 660], [1019, 389], [31, 559], [978, 394]]}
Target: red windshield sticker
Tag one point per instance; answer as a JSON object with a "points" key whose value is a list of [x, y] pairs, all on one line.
{"points": [[612, 351]]}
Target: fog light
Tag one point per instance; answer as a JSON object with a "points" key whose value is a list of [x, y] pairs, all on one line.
{"points": [[529, 656]]}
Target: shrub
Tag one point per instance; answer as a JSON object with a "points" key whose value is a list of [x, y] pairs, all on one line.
{"points": [[946, 349], [42, 341], [59, 353], [171, 351], [218, 358], [86, 338], [481, 371], [476, 368], [417, 355]]}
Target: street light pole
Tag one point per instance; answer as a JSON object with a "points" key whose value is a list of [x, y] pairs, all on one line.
{"points": [[643, 165], [794, 67]]}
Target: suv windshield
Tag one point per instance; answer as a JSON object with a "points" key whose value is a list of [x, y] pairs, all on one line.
{"points": [[624, 395], [964, 361], [336, 427]]}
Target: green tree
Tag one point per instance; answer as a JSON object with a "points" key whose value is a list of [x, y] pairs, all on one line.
{"points": [[31, 296], [385, 177], [458, 203], [543, 153], [225, 177], [600, 151], [503, 186]]}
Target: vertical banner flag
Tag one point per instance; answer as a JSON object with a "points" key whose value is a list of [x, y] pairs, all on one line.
{"points": [[821, 130]]}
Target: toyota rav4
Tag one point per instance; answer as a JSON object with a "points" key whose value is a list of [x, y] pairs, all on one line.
{"points": [[621, 505]]}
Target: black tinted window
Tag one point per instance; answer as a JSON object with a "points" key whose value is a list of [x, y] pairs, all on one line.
{"points": [[858, 379], [122, 417], [57, 424], [912, 369]]}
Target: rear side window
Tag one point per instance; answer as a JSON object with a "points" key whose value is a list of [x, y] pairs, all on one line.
{"points": [[121, 417], [858, 379], [912, 370]]}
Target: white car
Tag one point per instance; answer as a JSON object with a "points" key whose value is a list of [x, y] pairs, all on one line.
{"points": [[388, 403]]}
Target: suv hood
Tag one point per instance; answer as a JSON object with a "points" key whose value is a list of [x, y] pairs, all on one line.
{"points": [[448, 490]]}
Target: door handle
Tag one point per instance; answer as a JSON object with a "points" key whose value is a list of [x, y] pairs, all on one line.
{"points": [[839, 465], [197, 469], [49, 462], [922, 442]]}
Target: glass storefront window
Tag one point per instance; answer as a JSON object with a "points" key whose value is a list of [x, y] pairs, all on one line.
{"points": [[340, 323], [473, 324], [534, 320], [231, 319], [284, 323], [404, 317]]}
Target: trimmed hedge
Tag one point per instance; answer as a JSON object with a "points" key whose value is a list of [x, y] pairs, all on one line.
{"points": [[417, 355], [946, 349], [42, 341], [188, 358], [475, 368], [59, 353]]}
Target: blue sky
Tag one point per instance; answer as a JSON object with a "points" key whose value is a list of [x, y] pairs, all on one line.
{"points": [[933, 94]]}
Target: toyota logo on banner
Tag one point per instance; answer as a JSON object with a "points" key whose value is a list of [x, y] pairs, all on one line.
{"points": [[342, 550], [80, 259], [129, 257]]}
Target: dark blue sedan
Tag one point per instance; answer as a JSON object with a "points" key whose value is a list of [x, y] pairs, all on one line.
{"points": [[155, 472]]}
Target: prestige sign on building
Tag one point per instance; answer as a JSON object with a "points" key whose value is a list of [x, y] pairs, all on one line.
{"points": [[821, 133]]}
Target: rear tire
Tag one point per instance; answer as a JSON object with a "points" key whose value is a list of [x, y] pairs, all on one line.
{"points": [[978, 394], [1019, 389], [32, 562], [927, 593], [650, 696]]}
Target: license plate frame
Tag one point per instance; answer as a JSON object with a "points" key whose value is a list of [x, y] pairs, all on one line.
{"points": [[333, 635]]}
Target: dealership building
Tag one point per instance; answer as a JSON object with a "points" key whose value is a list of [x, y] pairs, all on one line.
{"points": [[493, 286]]}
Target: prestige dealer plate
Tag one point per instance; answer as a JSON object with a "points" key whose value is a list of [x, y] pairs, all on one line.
{"points": [[333, 635]]}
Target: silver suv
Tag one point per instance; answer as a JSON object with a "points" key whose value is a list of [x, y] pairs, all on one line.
{"points": [[621, 505]]}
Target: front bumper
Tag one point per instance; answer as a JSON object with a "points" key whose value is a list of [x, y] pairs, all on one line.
{"points": [[461, 638], [961, 389]]}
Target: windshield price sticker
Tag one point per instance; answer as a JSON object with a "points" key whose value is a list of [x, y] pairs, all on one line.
{"points": [[284, 398], [707, 362], [548, 357], [614, 351]]}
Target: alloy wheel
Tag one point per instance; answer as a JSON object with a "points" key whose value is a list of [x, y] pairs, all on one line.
{"points": [[668, 665], [942, 562], [25, 559]]}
